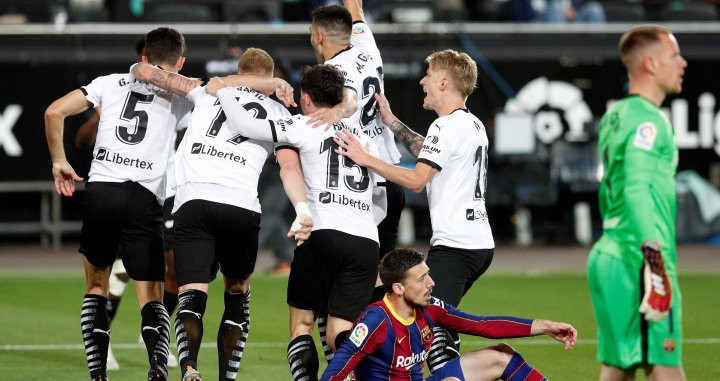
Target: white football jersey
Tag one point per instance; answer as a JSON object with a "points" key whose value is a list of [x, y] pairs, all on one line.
{"points": [[136, 131], [339, 192], [362, 67], [215, 164], [457, 146], [170, 183]]}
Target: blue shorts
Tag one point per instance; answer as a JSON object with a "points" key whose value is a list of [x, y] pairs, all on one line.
{"points": [[450, 369]]}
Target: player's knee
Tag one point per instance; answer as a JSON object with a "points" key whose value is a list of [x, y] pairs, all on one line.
{"points": [[335, 343], [237, 286], [505, 348]]}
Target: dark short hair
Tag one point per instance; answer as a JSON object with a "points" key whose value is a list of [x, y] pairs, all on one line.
{"points": [[637, 38], [256, 61], [324, 84], [395, 265], [334, 19], [140, 46], [164, 46]]}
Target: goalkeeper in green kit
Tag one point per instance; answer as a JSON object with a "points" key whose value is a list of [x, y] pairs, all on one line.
{"points": [[632, 272]]}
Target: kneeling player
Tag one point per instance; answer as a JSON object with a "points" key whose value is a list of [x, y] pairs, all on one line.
{"points": [[393, 336]]}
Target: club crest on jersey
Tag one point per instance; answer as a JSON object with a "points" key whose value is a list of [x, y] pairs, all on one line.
{"points": [[645, 136], [433, 139], [426, 334], [669, 345], [359, 333]]}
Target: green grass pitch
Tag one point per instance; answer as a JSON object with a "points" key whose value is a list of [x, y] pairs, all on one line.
{"points": [[40, 333]]}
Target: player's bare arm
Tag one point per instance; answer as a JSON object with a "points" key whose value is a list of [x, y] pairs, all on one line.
{"points": [[332, 115], [85, 137], [355, 8], [562, 332], [282, 89], [414, 179], [173, 82], [410, 139], [294, 184], [72, 103]]}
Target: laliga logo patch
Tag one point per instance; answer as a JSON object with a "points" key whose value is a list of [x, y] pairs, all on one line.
{"points": [[426, 334], [359, 334], [645, 136], [358, 30], [669, 345], [325, 197]]}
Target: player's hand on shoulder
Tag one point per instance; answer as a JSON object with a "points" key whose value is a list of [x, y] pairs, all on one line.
{"points": [[284, 91], [351, 147], [65, 178], [562, 332], [325, 117], [657, 295], [388, 118], [215, 84]]}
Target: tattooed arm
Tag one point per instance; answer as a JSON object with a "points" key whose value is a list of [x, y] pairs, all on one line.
{"points": [[173, 82], [409, 138]]}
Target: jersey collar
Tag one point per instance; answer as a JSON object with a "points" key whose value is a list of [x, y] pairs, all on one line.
{"points": [[392, 311], [342, 51]]}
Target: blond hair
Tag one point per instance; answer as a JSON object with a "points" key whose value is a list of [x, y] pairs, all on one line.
{"points": [[256, 61], [637, 39], [461, 69]]}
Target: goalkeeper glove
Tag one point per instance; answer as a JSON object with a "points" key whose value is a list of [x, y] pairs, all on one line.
{"points": [[658, 292]]}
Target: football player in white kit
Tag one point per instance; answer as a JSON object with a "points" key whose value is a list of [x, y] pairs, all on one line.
{"points": [[341, 37], [335, 270], [217, 212], [452, 166], [124, 195]]}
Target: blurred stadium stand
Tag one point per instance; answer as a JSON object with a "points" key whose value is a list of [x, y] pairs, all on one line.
{"points": [[43, 59]]}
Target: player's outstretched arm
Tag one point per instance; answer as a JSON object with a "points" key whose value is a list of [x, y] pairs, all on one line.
{"points": [[294, 184], [72, 103], [562, 332], [173, 82], [413, 179], [355, 8], [329, 116], [410, 139], [280, 87]]}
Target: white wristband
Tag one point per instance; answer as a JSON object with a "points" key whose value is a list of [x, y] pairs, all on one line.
{"points": [[302, 208]]}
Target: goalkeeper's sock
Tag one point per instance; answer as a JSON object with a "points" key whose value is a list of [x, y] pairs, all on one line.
{"points": [[96, 334], [519, 370]]}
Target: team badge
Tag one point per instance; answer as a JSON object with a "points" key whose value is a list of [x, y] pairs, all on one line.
{"points": [[669, 345], [645, 136], [426, 334], [359, 334]]}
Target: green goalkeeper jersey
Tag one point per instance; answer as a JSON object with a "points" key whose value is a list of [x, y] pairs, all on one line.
{"points": [[637, 194]]}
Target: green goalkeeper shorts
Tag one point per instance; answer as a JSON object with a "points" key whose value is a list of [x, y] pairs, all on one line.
{"points": [[625, 338]]}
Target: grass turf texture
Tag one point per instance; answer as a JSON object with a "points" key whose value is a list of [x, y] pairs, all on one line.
{"points": [[43, 309]]}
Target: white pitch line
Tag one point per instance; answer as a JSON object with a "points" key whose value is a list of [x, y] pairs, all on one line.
{"points": [[62, 347]]}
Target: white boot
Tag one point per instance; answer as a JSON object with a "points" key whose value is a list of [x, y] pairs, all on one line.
{"points": [[172, 361], [112, 363]]}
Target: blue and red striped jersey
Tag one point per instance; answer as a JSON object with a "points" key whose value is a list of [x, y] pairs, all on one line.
{"points": [[383, 346]]}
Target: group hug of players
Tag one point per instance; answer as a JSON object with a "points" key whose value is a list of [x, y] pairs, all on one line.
{"points": [[337, 162]]}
